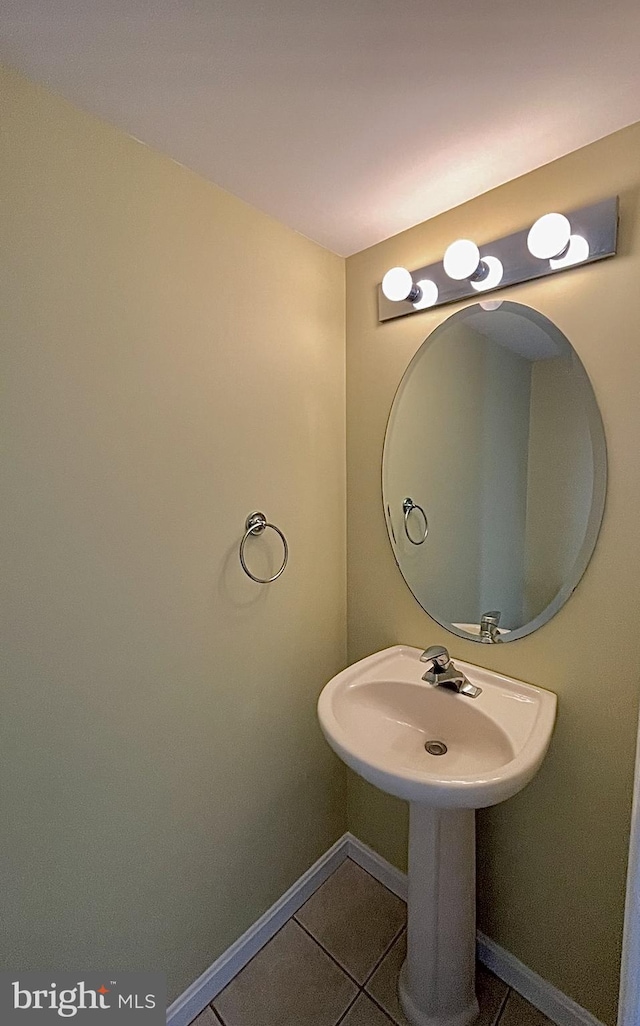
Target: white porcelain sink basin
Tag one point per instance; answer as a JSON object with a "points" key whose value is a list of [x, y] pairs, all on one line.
{"points": [[378, 715]]}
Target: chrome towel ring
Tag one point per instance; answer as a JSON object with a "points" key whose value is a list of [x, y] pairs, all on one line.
{"points": [[255, 524], [408, 506]]}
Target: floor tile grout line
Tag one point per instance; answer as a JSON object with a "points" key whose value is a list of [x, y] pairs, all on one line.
{"points": [[332, 957], [381, 1007], [384, 954], [503, 1005], [348, 1009], [386, 951], [292, 918], [216, 1014]]}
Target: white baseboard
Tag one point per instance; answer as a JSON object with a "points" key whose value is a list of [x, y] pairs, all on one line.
{"points": [[561, 1009]]}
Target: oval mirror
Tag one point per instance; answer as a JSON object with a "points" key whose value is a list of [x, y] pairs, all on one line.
{"points": [[494, 472]]}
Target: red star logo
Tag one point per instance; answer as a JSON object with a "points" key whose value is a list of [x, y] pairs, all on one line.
{"points": [[103, 990]]}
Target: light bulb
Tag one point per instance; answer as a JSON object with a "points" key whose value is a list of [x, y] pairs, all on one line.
{"points": [[429, 293], [397, 285], [578, 250], [549, 236], [461, 259], [493, 278]]}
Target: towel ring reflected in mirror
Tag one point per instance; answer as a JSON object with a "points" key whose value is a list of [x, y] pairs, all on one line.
{"points": [[408, 506]]}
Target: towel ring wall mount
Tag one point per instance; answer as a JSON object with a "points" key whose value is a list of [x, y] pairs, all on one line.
{"points": [[255, 524]]}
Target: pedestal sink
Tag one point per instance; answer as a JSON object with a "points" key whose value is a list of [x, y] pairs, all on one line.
{"points": [[385, 722]]}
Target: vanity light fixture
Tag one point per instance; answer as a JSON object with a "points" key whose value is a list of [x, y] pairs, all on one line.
{"points": [[576, 253], [494, 275], [398, 284], [429, 294], [549, 236], [553, 243], [462, 262]]}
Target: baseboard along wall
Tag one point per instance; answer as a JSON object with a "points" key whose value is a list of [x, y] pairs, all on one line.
{"points": [[561, 1009]]}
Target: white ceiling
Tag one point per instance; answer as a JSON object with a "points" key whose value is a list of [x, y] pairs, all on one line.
{"points": [[348, 120]]}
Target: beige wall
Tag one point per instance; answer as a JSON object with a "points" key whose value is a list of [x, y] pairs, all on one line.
{"points": [[552, 860], [173, 360]]}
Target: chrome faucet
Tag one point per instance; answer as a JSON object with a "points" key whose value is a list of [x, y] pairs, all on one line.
{"points": [[489, 633], [441, 672]]}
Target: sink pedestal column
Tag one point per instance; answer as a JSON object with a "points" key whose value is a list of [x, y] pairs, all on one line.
{"points": [[437, 982]]}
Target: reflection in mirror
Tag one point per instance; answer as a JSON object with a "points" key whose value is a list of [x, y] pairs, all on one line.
{"points": [[496, 441]]}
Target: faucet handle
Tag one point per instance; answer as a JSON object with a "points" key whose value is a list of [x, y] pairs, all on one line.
{"points": [[437, 658], [491, 617]]}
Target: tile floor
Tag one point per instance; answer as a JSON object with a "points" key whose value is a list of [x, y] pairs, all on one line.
{"points": [[337, 962]]}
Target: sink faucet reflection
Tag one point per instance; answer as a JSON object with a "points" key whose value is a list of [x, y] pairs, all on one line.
{"points": [[441, 672], [489, 633]]}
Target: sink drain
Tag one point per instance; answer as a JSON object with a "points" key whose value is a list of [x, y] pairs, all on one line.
{"points": [[435, 747]]}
